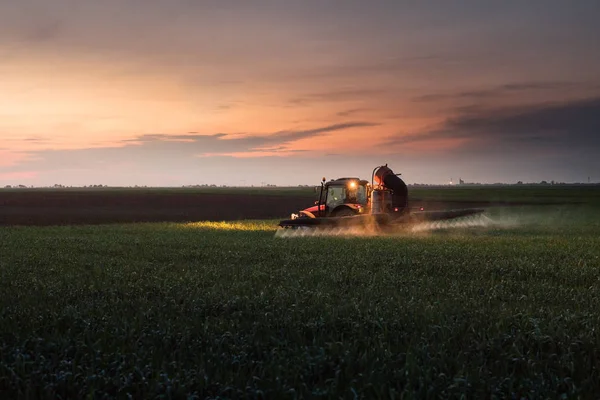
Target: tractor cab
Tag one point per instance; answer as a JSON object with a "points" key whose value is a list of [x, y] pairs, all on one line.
{"points": [[340, 197]]}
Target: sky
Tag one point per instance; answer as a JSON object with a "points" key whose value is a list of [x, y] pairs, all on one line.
{"points": [[185, 92]]}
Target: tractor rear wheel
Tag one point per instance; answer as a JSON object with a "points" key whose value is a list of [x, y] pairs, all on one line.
{"points": [[343, 212]]}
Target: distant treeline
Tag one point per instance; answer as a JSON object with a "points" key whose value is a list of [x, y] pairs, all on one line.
{"points": [[432, 185]]}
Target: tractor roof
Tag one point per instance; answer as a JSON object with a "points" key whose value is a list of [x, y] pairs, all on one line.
{"points": [[344, 181]]}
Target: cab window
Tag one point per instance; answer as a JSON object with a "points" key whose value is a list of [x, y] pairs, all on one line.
{"points": [[357, 195], [336, 195]]}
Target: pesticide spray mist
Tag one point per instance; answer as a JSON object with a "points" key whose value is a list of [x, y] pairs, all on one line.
{"points": [[371, 230]]}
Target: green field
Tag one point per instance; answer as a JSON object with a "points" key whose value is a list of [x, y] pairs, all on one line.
{"points": [[509, 309]]}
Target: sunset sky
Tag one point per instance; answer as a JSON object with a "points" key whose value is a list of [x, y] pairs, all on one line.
{"points": [[178, 92]]}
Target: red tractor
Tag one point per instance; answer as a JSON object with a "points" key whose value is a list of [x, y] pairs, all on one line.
{"points": [[384, 200]]}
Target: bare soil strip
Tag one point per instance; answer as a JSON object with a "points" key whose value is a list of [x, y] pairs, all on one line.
{"points": [[41, 208]]}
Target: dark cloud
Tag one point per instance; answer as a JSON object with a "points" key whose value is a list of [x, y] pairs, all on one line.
{"points": [[288, 136], [247, 142], [31, 140], [572, 127], [497, 91]]}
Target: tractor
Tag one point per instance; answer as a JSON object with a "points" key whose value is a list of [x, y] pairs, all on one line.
{"points": [[353, 201]]}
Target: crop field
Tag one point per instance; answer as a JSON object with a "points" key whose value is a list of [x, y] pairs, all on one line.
{"points": [[505, 308]]}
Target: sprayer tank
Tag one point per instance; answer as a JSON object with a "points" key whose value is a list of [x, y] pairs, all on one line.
{"points": [[381, 201], [386, 178]]}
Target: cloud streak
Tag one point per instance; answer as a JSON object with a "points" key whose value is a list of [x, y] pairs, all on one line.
{"points": [[352, 111], [501, 90], [177, 149], [337, 96], [237, 143]]}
